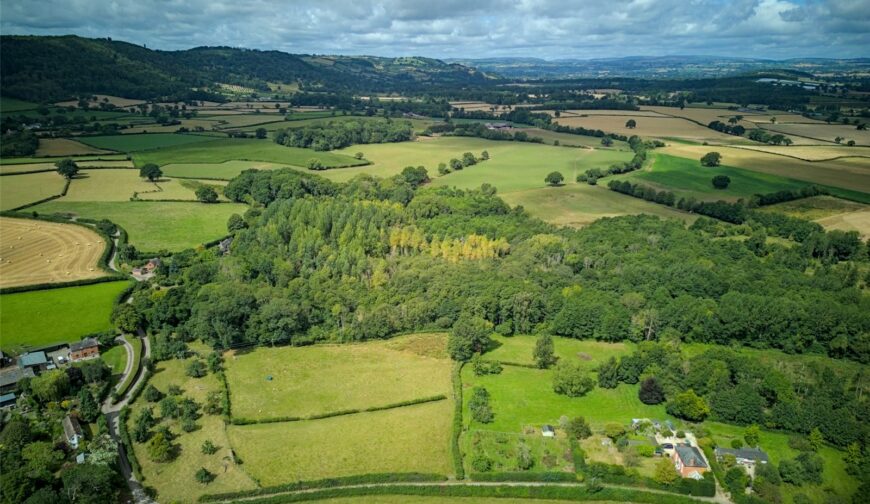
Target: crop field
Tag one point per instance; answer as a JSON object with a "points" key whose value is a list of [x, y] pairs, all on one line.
{"points": [[814, 152], [603, 112], [225, 171], [821, 131], [37, 252], [18, 190], [175, 479], [65, 147], [407, 439], [121, 185], [226, 149], [65, 314], [154, 226], [298, 382], [114, 100], [132, 143], [688, 177], [653, 127], [850, 173], [78, 159]]}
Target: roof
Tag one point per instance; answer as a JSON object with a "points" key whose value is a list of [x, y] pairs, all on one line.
{"points": [[14, 375], [85, 343], [690, 456], [548, 428], [744, 453], [32, 359], [7, 397], [71, 427]]}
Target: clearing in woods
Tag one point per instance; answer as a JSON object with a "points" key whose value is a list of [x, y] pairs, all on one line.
{"points": [[304, 381], [36, 252]]}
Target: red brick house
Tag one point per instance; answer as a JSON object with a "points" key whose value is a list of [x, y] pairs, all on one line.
{"points": [[689, 462], [88, 348]]}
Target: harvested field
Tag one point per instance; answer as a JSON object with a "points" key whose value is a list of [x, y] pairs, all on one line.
{"points": [[852, 221], [36, 252], [114, 100], [813, 152], [821, 131], [18, 190], [65, 147], [815, 208], [602, 112], [655, 127]]}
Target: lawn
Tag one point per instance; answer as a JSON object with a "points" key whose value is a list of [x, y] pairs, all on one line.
{"points": [[521, 396], [44, 317], [145, 141], [325, 378], [687, 177], [408, 439], [226, 170], [137, 345], [115, 358], [154, 226], [175, 481], [18, 190], [227, 149], [519, 349]]}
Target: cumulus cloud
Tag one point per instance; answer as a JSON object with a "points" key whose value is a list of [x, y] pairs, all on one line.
{"points": [[462, 28]]}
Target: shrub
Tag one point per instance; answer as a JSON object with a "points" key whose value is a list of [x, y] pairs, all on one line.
{"points": [[721, 181], [688, 405], [578, 428], [208, 448], [737, 443], [196, 369], [645, 450], [524, 457], [614, 430], [479, 405], [481, 463], [571, 379], [544, 352], [204, 476], [651, 391], [151, 394]]}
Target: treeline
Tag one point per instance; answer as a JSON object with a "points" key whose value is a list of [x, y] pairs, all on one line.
{"points": [[518, 115], [480, 130], [19, 143], [787, 195], [730, 129], [640, 148], [337, 134]]}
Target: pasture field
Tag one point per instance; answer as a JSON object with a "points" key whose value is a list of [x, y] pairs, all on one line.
{"points": [[579, 204], [37, 252], [651, 127], [121, 185], [854, 221], [154, 127], [568, 139], [115, 358], [225, 171], [65, 314], [324, 378], [817, 207], [133, 143], [45, 165], [175, 480], [114, 100], [65, 147], [814, 152], [518, 349], [522, 396], [154, 226], [407, 439], [821, 131], [15, 105], [18, 190], [228, 149], [688, 177], [78, 159], [603, 112], [245, 120], [850, 173]]}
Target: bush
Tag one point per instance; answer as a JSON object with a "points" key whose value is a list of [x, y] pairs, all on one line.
{"points": [[481, 463], [651, 391], [196, 369], [571, 379], [479, 405], [151, 394], [737, 443], [721, 181], [645, 450], [578, 428]]}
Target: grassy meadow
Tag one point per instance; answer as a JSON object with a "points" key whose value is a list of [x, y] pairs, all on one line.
{"points": [[224, 171], [121, 185], [230, 149], [18, 190], [159, 225], [43, 317], [148, 141], [408, 439]]}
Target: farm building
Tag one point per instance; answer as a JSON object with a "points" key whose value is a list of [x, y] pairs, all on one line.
{"points": [[689, 462], [744, 456], [498, 126], [147, 271], [72, 431], [548, 431], [33, 360], [7, 400], [10, 377], [88, 348]]}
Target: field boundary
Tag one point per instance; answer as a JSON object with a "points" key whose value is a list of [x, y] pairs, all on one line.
{"points": [[319, 416]]}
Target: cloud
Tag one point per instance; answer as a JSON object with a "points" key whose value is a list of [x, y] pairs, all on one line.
{"points": [[463, 28]]}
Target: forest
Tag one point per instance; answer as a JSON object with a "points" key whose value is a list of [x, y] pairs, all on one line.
{"points": [[337, 134]]}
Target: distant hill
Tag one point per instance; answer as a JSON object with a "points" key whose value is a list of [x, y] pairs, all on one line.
{"points": [[659, 66], [53, 68]]}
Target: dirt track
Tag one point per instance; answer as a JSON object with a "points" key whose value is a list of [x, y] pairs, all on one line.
{"points": [[33, 252]]}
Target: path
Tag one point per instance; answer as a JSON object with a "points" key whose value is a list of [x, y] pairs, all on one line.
{"points": [[715, 500]]}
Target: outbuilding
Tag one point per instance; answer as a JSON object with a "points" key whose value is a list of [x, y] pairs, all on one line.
{"points": [[548, 431], [72, 431]]}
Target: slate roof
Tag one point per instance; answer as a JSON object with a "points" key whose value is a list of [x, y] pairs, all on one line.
{"points": [[690, 456], [14, 375], [32, 359], [744, 453], [85, 343], [71, 427]]}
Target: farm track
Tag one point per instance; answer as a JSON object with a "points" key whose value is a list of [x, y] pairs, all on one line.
{"points": [[720, 497], [36, 252]]}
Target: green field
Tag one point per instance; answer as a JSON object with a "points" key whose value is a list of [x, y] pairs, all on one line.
{"points": [[14, 105], [415, 499], [154, 226], [146, 141], [548, 454], [241, 149], [408, 439], [115, 358], [225, 171], [687, 177], [518, 349], [175, 480], [121, 185], [31, 159], [44, 317], [18, 190], [298, 382]]}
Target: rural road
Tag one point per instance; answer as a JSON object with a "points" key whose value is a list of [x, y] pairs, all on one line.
{"points": [[716, 500]]}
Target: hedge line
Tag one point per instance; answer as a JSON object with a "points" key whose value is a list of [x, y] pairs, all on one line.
{"points": [[525, 476], [361, 479], [572, 493], [455, 450], [616, 474], [74, 283], [330, 414], [128, 444], [226, 406]]}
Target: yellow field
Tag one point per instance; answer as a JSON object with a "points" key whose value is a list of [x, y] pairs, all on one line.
{"points": [[114, 100], [821, 131], [34, 252], [120, 185], [65, 147], [30, 167], [849, 173], [18, 190], [816, 208], [584, 112], [851, 221], [657, 127]]}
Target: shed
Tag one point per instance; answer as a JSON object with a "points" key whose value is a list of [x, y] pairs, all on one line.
{"points": [[548, 431], [10, 377], [7, 400], [32, 359]]}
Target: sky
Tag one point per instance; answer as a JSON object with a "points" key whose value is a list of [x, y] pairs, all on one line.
{"points": [[548, 29]]}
